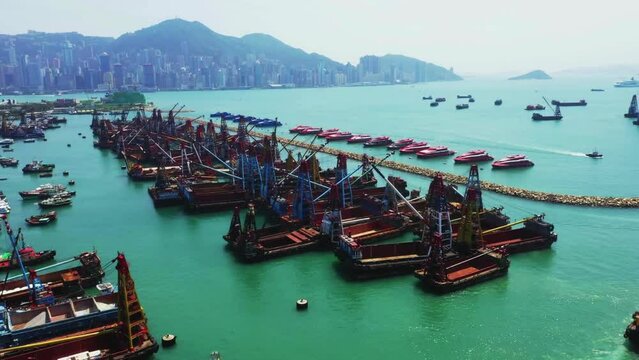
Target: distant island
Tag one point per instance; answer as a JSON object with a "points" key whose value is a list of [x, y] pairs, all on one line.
{"points": [[186, 55], [533, 75]]}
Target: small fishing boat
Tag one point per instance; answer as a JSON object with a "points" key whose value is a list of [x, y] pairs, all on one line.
{"points": [[311, 130], [471, 100], [513, 161], [298, 128], [434, 104], [11, 162], [55, 202], [535, 107], [461, 106], [359, 139], [595, 155], [569, 103], [414, 147], [440, 99], [45, 175], [42, 219], [498, 102], [340, 135], [473, 156], [29, 140], [7, 150], [328, 132], [105, 288], [435, 151], [633, 112], [427, 98], [379, 141], [6, 141], [28, 256], [399, 144], [6, 146]]}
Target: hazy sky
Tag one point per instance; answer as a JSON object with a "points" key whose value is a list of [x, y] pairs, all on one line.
{"points": [[487, 36]]}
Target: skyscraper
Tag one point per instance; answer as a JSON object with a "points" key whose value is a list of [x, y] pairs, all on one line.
{"points": [[148, 75], [118, 76], [105, 63]]}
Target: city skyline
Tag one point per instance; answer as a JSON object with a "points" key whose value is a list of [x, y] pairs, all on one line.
{"points": [[492, 37]]}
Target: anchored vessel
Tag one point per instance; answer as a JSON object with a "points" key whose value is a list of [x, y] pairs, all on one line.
{"points": [[473, 156], [513, 161], [569, 103]]}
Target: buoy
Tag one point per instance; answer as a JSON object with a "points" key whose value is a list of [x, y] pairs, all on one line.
{"points": [[302, 304], [65, 173], [71, 182], [168, 340]]}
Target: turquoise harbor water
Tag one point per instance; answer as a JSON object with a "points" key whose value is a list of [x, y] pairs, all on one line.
{"points": [[572, 301]]}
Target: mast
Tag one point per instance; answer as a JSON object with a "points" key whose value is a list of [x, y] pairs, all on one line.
{"points": [[474, 184]]}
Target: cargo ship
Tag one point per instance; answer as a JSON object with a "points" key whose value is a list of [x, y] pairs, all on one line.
{"points": [[473, 156], [569, 103], [540, 117], [105, 327], [63, 283], [435, 151], [513, 161]]}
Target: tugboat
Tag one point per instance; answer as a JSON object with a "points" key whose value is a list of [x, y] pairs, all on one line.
{"points": [[513, 161], [414, 147], [461, 106], [55, 202], [595, 155], [498, 102], [341, 135], [379, 141], [42, 219], [569, 103], [535, 107], [435, 151], [556, 116], [328, 132], [632, 330], [311, 131], [632, 109], [473, 156], [37, 167], [8, 162], [359, 139], [399, 144]]}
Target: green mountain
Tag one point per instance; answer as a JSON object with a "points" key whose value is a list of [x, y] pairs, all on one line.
{"points": [[533, 75]]}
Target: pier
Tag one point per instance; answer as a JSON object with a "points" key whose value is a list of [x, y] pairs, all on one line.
{"points": [[578, 200]]}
